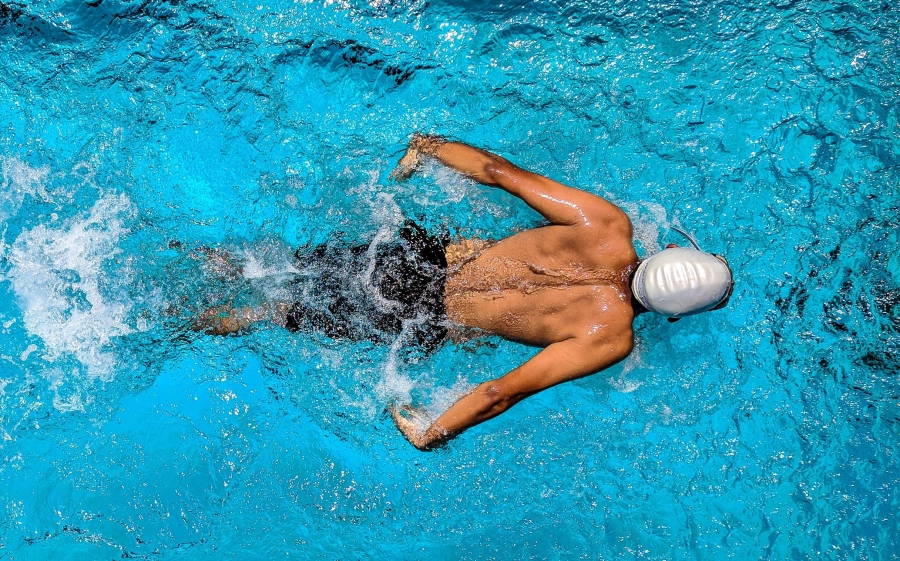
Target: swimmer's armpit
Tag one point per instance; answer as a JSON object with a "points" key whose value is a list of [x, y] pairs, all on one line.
{"points": [[224, 320]]}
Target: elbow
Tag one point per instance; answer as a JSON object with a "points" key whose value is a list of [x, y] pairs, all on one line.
{"points": [[495, 399], [494, 169]]}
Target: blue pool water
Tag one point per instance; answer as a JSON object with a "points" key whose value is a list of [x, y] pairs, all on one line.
{"points": [[134, 132]]}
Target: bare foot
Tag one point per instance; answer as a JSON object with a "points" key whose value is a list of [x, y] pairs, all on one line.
{"points": [[224, 320]]}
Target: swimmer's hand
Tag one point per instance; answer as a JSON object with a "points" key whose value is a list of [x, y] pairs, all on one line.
{"points": [[407, 164], [423, 440], [419, 144]]}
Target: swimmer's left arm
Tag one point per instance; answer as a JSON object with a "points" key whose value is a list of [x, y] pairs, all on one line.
{"points": [[558, 203], [560, 362]]}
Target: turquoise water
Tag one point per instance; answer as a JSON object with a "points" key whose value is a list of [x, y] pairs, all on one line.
{"points": [[134, 133]]}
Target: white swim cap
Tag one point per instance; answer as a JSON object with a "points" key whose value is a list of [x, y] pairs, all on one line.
{"points": [[681, 281]]}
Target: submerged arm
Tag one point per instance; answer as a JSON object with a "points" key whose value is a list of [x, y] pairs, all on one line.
{"points": [[559, 362], [556, 202]]}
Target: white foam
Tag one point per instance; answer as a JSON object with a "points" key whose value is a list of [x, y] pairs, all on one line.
{"points": [[56, 274], [394, 385], [625, 382], [455, 185], [255, 269], [623, 385], [19, 180], [27, 352], [387, 215], [647, 219], [385, 212], [57, 380], [268, 267], [267, 263]]}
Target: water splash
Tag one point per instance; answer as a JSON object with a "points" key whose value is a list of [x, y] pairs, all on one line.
{"points": [[454, 185], [387, 215], [19, 180], [648, 221], [394, 384], [625, 381], [66, 298]]}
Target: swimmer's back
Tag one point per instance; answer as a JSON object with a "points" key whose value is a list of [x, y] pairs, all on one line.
{"points": [[547, 284]]}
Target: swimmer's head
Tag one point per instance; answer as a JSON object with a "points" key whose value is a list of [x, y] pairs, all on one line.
{"points": [[681, 281]]}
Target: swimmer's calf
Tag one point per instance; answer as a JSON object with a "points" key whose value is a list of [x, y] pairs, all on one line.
{"points": [[225, 320]]}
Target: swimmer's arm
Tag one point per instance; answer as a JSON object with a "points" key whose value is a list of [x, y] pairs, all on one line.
{"points": [[558, 363], [558, 203]]}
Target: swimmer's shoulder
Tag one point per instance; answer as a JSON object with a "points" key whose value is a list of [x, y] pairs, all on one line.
{"points": [[617, 333]]}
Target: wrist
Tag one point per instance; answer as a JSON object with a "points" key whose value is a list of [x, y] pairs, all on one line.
{"points": [[427, 143]]}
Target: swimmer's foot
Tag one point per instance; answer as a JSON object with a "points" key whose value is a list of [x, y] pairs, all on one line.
{"points": [[221, 320], [210, 321], [225, 320]]}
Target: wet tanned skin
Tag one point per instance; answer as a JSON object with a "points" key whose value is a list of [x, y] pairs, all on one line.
{"points": [[532, 288], [563, 287]]}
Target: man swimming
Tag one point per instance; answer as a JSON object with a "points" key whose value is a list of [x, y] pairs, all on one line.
{"points": [[572, 287]]}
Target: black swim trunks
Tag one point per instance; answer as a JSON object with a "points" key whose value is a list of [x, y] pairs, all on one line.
{"points": [[374, 292]]}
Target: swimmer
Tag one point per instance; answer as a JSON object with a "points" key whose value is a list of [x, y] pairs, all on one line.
{"points": [[572, 287]]}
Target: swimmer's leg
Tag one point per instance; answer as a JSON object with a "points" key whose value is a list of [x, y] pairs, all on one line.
{"points": [[224, 320]]}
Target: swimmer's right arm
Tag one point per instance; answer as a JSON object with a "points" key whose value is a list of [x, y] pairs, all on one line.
{"points": [[560, 362], [558, 203]]}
